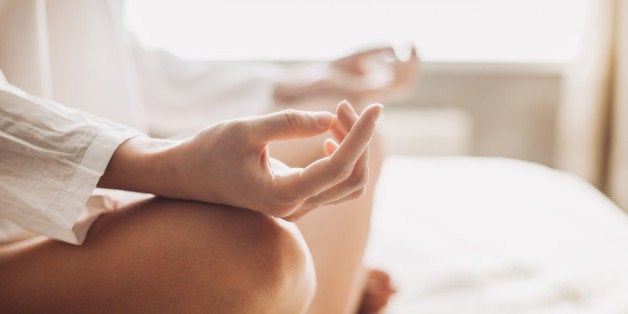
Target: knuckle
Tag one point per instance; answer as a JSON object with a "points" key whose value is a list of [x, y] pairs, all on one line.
{"points": [[293, 119], [359, 179], [281, 206], [282, 199], [344, 172], [238, 129], [340, 170]]}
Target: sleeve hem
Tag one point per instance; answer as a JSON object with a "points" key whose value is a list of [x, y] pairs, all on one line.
{"points": [[83, 183], [67, 218]]}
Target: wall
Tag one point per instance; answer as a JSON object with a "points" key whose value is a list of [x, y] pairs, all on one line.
{"points": [[512, 106]]}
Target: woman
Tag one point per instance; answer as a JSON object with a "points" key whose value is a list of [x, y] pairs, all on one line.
{"points": [[148, 253]]}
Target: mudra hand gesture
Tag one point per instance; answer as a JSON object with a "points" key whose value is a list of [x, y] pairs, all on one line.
{"points": [[229, 163], [353, 78]]}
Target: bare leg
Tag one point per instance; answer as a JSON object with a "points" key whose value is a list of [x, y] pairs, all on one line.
{"points": [[336, 235], [163, 255]]}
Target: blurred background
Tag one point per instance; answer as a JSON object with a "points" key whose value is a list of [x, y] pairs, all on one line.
{"points": [[537, 80], [492, 76]]}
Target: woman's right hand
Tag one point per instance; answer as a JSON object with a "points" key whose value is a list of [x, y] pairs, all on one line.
{"points": [[229, 163]]}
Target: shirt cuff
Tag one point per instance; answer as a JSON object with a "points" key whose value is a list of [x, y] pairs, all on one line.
{"points": [[67, 218], [76, 220]]}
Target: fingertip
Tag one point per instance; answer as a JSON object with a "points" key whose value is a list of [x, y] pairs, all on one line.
{"points": [[323, 119], [330, 146], [376, 111], [347, 117], [373, 107], [376, 116], [343, 105], [331, 143]]}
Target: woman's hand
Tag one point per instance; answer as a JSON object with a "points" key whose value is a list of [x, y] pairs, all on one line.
{"points": [[353, 74], [371, 75], [229, 163]]}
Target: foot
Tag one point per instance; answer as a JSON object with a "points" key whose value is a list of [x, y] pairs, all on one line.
{"points": [[377, 292]]}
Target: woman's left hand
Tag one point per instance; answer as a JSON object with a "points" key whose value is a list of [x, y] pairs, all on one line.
{"points": [[374, 75]]}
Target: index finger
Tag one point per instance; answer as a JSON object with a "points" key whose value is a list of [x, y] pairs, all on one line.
{"points": [[359, 136], [332, 170]]}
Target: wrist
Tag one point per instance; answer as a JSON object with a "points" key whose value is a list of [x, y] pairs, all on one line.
{"points": [[141, 164]]}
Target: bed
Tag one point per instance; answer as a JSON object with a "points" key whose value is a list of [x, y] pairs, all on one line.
{"points": [[489, 235]]}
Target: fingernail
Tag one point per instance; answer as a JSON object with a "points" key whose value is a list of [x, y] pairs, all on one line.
{"points": [[347, 108], [344, 105], [378, 112], [323, 119]]}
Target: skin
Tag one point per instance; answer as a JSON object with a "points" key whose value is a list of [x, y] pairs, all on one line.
{"points": [[378, 290], [217, 258], [216, 255], [229, 163], [163, 256], [348, 78], [342, 230]]}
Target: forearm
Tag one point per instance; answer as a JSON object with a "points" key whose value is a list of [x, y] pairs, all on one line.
{"points": [[301, 81]]}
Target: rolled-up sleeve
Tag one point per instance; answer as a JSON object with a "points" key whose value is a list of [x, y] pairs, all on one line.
{"points": [[51, 158]]}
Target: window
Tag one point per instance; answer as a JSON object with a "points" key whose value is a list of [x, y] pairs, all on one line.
{"points": [[444, 30]]}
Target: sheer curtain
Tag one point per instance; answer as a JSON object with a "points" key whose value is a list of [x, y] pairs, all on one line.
{"points": [[618, 159], [593, 119]]}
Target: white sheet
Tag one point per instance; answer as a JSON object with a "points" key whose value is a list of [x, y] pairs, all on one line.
{"points": [[473, 235]]}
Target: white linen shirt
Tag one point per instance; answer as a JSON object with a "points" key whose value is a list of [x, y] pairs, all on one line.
{"points": [[52, 157], [75, 53]]}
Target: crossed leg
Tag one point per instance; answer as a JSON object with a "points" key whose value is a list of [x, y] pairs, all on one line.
{"points": [[167, 255], [162, 255]]}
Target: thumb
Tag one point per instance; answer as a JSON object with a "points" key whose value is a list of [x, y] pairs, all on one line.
{"points": [[291, 124]]}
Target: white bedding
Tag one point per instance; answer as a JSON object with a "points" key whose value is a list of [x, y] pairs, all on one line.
{"points": [[485, 235]]}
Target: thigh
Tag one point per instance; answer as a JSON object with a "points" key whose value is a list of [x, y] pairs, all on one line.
{"points": [[337, 236], [153, 256]]}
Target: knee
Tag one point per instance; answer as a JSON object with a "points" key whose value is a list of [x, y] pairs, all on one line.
{"points": [[287, 280], [275, 264], [243, 260]]}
